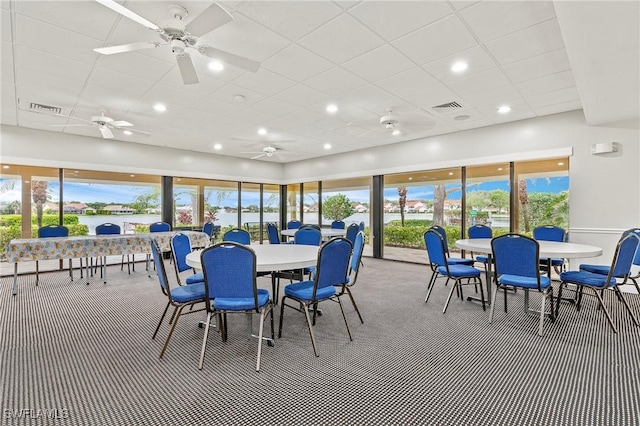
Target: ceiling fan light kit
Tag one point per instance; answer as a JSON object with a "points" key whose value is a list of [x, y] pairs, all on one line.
{"points": [[180, 36]]}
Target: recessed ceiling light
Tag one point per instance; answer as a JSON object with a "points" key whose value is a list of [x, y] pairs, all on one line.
{"points": [[332, 108], [5, 167], [327, 146], [262, 131], [216, 66], [410, 178], [459, 66], [160, 107], [217, 146], [461, 117], [396, 132], [561, 164], [499, 169], [450, 173], [127, 132], [132, 175], [504, 109]]}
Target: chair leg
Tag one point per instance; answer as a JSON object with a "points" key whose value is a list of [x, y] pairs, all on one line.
{"points": [[282, 304], [345, 319], [160, 322], [624, 301], [353, 302], [173, 327], [432, 282], [260, 330], [484, 308], [313, 339], [453, 288], [542, 303], [606, 311], [204, 340], [493, 304], [559, 298], [70, 269], [37, 273]]}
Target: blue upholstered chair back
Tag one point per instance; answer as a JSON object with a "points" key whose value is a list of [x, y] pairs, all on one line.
{"points": [[310, 225], [624, 255], [549, 233], [358, 247], [435, 247], [294, 224], [229, 271], [352, 231], [273, 234], [361, 226], [333, 263], [107, 229], [53, 231], [159, 227], [207, 228], [237, 236], [480, 231], [159, 264], [337, 224], [308, 236], [516, 254], [443, 233], [636, 231], [180, 248]]}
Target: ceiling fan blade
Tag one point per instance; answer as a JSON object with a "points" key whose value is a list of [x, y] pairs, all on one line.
{"points": [[71, 125], [106, 132], [117, 7], [121, 123], [187, 69], [213, 17], [258, 156], [110, 50], [230, 58], [139, 132]]}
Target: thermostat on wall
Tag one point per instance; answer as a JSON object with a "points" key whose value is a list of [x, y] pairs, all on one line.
{"points": [[604, 148]]}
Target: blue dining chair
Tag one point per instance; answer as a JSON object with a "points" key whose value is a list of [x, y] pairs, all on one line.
{"points": [[517, 259], [551, 233], [457, 272], [180, 248], [352, 231], [604, 269], [160, 227], [230, 283], [452, 260], [178, 297], [337, 224], [354, 267], [331, 272], [273, 234], [480, 231], [620, 267], [294, 224], [237, 235], [52, 231], [112, 229]]}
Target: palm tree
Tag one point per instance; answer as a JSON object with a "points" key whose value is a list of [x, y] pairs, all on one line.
{"points": [[39, 196], [402, 200], [524, 202]]}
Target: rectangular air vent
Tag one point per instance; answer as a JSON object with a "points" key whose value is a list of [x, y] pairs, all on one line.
{"points": [[47, 109], [449, 106]]}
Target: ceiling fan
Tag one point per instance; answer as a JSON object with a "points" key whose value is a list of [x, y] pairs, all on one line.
{"points": [[268, 151], [180, 37], [392, 124], [105, 124]]}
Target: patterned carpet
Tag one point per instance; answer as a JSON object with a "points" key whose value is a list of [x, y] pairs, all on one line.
{"points": [[84, 354]]}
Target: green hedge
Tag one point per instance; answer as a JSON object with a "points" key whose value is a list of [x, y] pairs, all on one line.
{"points": [[11, 227]]}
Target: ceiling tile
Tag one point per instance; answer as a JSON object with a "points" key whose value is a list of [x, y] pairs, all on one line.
{"points": [[341, 39], [392, 19], [48, 38], [6, 74], [481, 81], [547, 83], [539, 39], [408, 81], [431, 96], [69, 87], [290, 18], [264, 81], [171, 95], [6, 55], [538, 66], [336, 80], [297, 63], [135, 64], [476, 57], [274, 107], [556, 108], [122, 82], [490, 20], [379, 63], [58, 66], [495, 97], [5, 26], [419, 46], [227, 93], [568, 94], [301, 95], [372, 98]]}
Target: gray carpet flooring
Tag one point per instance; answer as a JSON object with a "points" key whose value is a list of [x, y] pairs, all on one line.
{"points": [[84, 354]]}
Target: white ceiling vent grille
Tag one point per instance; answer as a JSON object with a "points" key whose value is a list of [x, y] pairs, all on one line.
{"points": [[46, 109], [449, 106]]}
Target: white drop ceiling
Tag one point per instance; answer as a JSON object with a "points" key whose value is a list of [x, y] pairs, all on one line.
{"points": [[366, 57]]}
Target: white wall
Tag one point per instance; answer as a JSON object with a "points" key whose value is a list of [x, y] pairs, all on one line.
{"points": [[604, 189]]}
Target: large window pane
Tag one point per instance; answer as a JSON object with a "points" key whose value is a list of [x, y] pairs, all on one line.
{"points": [[293, 203], [131, 201], [250, 210], [487, 197], [271, 204], [415, 201], [221, 203], [543, 194], [357, 191], [310, 205]]}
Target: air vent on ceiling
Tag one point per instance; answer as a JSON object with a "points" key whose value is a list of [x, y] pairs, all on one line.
{"points": [[449, 106], [47, 109]]}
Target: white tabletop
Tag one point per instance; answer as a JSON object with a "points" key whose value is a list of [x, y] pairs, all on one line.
{"points": [[547, 248], [326, 232], [273, 257]]}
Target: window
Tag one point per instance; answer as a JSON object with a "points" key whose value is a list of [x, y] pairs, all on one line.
{"points": [[487, 197]]}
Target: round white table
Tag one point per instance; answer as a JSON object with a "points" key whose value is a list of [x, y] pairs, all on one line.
{"points": [[326, 232], [548, 249], [273, 257]]}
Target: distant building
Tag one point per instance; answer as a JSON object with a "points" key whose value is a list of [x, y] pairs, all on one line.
{"points": [[71, 208], [118, 209]]}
